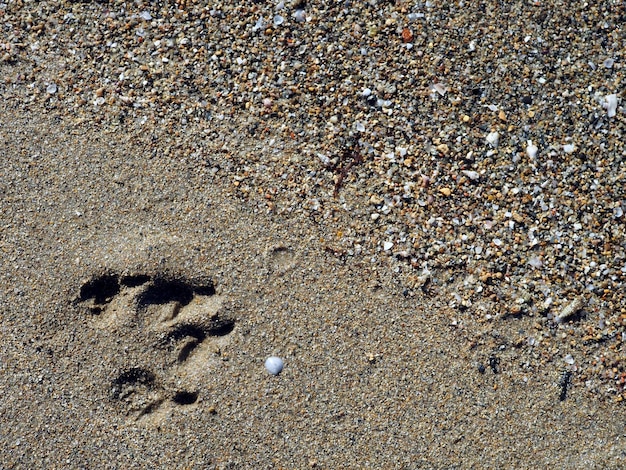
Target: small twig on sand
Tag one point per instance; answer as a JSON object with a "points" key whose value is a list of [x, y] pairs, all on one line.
{"points": [[349, 158]]}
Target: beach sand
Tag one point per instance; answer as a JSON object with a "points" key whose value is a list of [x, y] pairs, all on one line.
{"points": [[154, 257]]}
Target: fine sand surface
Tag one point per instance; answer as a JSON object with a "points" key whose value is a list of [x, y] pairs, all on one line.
{"points": [[148, 269]]}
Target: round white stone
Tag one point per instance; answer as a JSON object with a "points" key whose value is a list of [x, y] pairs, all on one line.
{"points": [[274, 365]]}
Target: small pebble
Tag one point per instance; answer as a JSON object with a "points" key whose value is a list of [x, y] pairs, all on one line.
{"points": [[531, 149], [493, 138], [473, 175], [274, 365], [610, 104], [439, 88], [300, 16]]}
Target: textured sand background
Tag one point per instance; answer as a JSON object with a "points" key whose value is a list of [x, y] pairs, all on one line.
{"points": [[151, 258]]}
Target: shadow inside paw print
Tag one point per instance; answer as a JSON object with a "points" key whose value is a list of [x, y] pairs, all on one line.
{"points": [[167, 322], [137, 389]]}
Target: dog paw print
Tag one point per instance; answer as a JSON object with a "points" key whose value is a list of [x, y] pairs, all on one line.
{"points": [[160, 333]]}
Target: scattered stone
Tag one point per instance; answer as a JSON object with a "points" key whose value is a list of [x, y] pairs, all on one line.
{"points": [[493, 139], [610, 104], [531, 149], [274, 365]]}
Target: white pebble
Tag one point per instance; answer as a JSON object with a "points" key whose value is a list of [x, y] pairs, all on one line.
{"points": [[439, 88], [260, 24], [387, 246], [493, 138], [52, 88], [473, 175], [324, 159], [610, 104], [300, 16], [274, 365], [531, 149], [569, 148], [414, 16]]}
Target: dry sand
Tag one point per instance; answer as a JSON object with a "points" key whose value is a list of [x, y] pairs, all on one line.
{"points": [[148, 271]]}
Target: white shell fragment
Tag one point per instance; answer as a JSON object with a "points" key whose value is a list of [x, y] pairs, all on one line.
{"points": [[260, 24], [610, 104], [300, 16], [387, 246], [274, 365], [439, 88], [535, 262], [323, 158], [570, 310], [531, 149], [569, 148], [493, 138], [473, 175]]}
